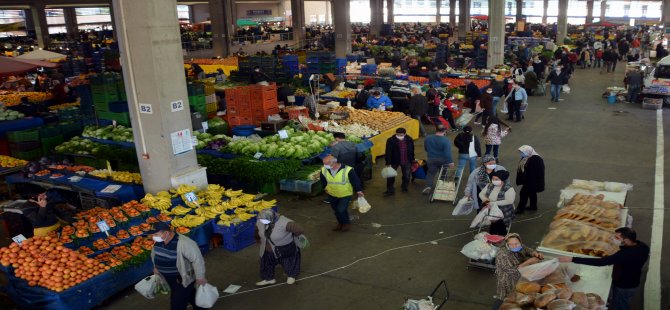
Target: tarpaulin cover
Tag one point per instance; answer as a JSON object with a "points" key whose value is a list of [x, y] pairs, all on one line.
{"points": [[20, 124], [41, 55], [83, 296], [9, 66]]}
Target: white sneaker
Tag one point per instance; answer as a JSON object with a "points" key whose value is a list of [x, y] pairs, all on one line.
{"points": [[478, 123], [290, 280], [266, 282], [426, 190]]}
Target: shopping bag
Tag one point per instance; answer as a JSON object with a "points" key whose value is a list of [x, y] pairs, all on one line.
{"points": [[363, 205], [419, 173], [389, 172], [478, 107], [147, 286], [566, 88], [301, 241], [206, 296], [504, 107], [162, 287], [540, 270], [478, 249], [464, 207]]}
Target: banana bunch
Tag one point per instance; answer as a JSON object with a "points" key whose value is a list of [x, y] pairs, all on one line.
{"points": [[231, 193], [242, 200], [228, 220], [245, 216], [180, 210], [261, 205], [189, 221], [213, 194], [183, 189], [161, 201], [209, 212]]}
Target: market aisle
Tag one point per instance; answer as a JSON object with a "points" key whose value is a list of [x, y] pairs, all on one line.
{"points": [[582, 138]]}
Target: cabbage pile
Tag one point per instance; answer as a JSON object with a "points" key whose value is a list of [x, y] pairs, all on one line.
{"points": [[10, 115], [118, 133], [298, 145], [209, 141]]}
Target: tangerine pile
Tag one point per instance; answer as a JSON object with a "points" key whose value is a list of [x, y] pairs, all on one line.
{"points": [[46, 262]]}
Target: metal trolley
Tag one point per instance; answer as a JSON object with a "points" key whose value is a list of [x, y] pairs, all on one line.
{"points": [[446, 185], [483, 263], [434, 301]]}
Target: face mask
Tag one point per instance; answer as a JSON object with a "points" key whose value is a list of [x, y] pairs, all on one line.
{"points": [[522, 155], [265, 222], [616, 241], [157, 238], [491, 166], [517, 249], [257, 70], [497, 182], [328, 166], [400, 137], [489, 92]]}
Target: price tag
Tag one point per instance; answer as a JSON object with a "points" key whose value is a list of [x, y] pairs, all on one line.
{"points": [[74, 179], [19, 239], [194, 141], [102, 225], [290, 99], [205, 126], [258, 155], [114, 123], [111, 188], [177, 105], [283, 134], [145, 108], [191, 197]]}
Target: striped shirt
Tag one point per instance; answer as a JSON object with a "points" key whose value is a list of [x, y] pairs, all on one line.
{"points": [[165, 257]]}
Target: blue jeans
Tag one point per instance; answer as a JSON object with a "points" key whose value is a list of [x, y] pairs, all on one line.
{"points": [[422, 130], [494, 148], [633, 91], [555, 91], [621, 298], [434, 165], [495, 106], [462, 159], [340, 208]]}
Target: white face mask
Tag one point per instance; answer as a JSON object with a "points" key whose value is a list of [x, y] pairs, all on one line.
{"points": [[328, 166], [400, 137], [489, 92], [157, 238], [491, 166], [265, 222], [497, 182]]}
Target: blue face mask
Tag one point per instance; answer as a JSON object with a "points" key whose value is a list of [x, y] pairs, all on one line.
{"points": [[517, 249], [522, 155]]}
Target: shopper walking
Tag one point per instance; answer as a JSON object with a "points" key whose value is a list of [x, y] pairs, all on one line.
{"points": [[486, 103], [517, 98], [418, 107], [178, 259], [277, 246], [340, 183], [502, 194], [627, 266], [433, 101], [531, 81], [449, 108], [399, 153], [438, 149], [480, 178], [608, 58], [530, 176], [599, 57], [498, 93], [472, 93], [556, 79], [493, 134], [508, 260], [469, 150]]}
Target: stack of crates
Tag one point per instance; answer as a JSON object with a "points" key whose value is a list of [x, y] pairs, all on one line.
{"points": [[440, 55], [369, 69], [50, 137], [86, 108], [340, 66], [25, 144], [263, 102], [290, 65], [251, 105], [73, 67], [238, 106], [196, 98], [320, 62], [104, 91], [210, 100], [98, 61]]}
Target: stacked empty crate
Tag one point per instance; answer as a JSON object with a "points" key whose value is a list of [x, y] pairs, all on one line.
{"points": [[210, 100], [251, 105], [290, 65], [196, 98], [109, 107], [25, 144], [320, 63]]}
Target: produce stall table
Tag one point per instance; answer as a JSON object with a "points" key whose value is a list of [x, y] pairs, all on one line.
{"points": [[20, 124], [379, 141], [124, 194]]}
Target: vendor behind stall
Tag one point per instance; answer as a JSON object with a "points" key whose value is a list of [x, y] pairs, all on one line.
{"points": [[379, 102], [40, 212]]}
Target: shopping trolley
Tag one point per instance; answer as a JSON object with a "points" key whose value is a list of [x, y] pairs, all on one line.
{"points": [[429, 303], [446, 184], [493, 240]]}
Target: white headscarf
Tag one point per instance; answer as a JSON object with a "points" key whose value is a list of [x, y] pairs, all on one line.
{"points": [[528, 151]]}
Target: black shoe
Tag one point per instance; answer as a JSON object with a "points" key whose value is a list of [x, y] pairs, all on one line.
{"points": [[387, 193], [519, 211], [510, 119], [517, 121]]}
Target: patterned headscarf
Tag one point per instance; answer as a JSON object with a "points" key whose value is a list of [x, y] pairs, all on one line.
{"points": [[483, 178], [268, 214], [528, 151]]}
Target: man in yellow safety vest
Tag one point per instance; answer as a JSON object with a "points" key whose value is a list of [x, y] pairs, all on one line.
{"points": [[340, 182]]}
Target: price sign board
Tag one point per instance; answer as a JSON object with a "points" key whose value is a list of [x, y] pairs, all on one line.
{"points": [[283, 134], [19, 239], [258, 155], [191, 197]]}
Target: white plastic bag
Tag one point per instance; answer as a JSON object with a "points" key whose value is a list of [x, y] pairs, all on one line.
{"points": [[389, 172], [147, 286], [301, 241], [540, 270], [464, 207], [477, 249], [566, 88], [206, 296], [363, 205], [487, 215]]}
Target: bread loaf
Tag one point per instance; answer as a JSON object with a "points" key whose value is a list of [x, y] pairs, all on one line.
{"points": [[528, 287], [580, 298], [560, 304], [510, 306], [543, 300], [564, 293]]}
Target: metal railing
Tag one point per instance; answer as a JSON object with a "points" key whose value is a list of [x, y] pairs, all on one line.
{"points": [[253, 39]]}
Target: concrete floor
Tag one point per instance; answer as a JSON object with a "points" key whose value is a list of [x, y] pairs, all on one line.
{"points": [[377, 268]]}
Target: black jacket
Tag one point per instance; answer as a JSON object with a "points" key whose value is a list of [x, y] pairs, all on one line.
{"points": [[462, 142], [361, 99], [40, 217], [532, 178], [418, 105], [628, 263], [558, 79], [472, 91], [392, 156]]}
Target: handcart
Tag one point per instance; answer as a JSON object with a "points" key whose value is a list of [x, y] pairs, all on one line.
{"points": [[494, 240], [430, 303], [446, 185]]}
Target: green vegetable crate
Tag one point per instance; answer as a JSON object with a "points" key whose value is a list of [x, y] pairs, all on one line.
{"points": [[50, 131], [23, 135], [305, 187], [31, 155], [49, 143]]}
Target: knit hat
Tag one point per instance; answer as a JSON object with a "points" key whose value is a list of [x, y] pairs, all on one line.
{"points": [[503, 175], [487, 158]]}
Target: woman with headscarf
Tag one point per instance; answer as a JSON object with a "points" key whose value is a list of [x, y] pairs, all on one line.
{"points": [[508, 261], [529, 175], [501, 193], [480, 178], [276, 234]]}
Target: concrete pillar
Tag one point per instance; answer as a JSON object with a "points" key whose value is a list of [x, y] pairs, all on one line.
{"points": [[438, 18], [603, 9], [39, 17], [342, 25], [389, 11], [589, 11], [221, 17], [562, 25], [191, 14], [544, 11], [111, 15], [519, 10], [71, 25], [329, 13], [376, 17], [153, 73], [298, 20], [28, 16], [464, 17], [495, 55], [452, 14], [665, 15]]}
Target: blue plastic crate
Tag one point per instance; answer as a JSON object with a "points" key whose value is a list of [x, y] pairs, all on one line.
{"points": [[236, 237], [297, 186]]}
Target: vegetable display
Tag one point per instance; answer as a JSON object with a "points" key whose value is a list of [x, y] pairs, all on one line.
{"points": [[12, 99], [353, 131], [118, 176], [115, 133], [10, 115], [11, 162], [298, 145], [375, 119], [207, 140]]}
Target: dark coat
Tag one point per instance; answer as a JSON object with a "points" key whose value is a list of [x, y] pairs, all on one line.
{"points": [[532, 178], [486, 102], [418, 105], [462, 142], [392, 156], [558, 79]]}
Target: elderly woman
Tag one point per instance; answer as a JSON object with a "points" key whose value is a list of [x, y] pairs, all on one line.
{"points": [[508, 261], [501, 193], [276, 233], [480, 178], [530, 175]]}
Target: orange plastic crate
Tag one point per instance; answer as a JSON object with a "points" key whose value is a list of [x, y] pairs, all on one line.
{"points": [[239, 120], [295, 113], [239, 111]]}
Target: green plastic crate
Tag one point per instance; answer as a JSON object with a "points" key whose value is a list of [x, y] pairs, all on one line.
{"points": [[48, 144], [120, 118], [31, 155], [50, 131], [23, 135], [101, 106]]}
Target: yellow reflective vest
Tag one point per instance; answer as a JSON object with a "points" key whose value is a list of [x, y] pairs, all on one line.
{"points": [[338, 184]]}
